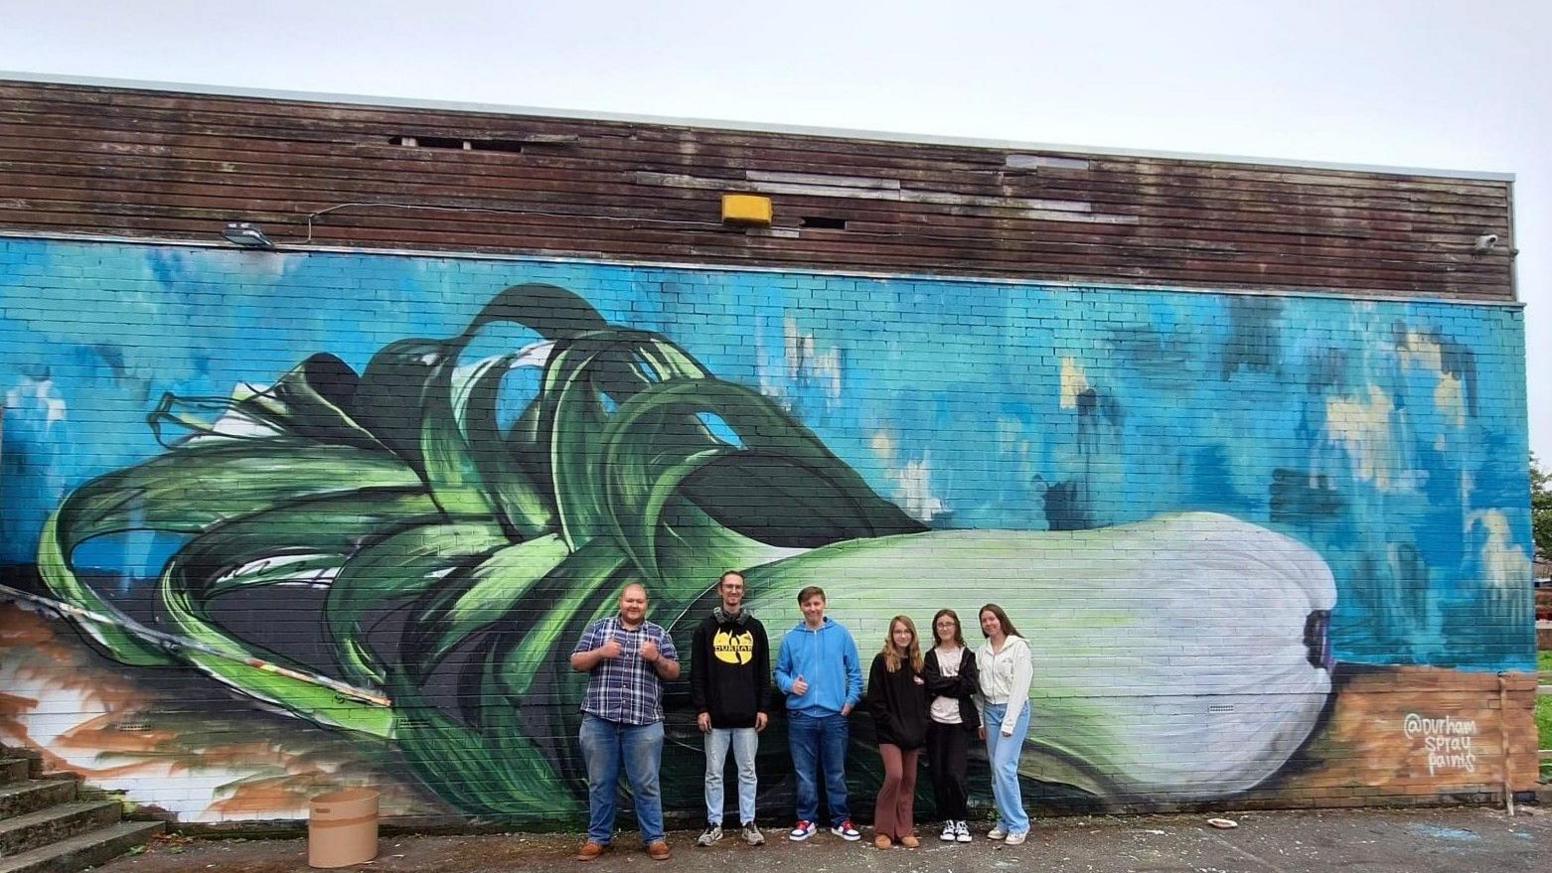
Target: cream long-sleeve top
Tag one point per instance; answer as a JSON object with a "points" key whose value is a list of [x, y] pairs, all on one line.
{"points": [[1005, 678]]}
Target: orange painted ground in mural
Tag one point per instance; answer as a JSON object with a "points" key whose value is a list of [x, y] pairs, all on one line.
{"points": [[1423, 732], [120, 734]]}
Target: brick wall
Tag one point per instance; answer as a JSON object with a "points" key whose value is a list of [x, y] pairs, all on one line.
{"points": [[1269, 550]]}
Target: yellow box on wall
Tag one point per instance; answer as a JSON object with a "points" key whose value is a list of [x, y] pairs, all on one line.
{"points": [[746, 209]]}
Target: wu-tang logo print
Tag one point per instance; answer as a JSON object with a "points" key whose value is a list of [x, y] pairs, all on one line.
{"points": [[733, 648]]}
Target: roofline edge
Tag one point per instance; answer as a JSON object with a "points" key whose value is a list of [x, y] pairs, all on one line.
{"points": [[740, 126]]}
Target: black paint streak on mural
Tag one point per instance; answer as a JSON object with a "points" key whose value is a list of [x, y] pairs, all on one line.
{"points": [[1298, 498], [1070, 505], [1326, 369], [1394, 586], [1254, 341], [1066, 507], [113, 357], [1412, 581], [1155, 355]]}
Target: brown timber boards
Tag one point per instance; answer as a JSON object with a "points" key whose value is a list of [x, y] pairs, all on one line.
{"points": [[141, 163]]}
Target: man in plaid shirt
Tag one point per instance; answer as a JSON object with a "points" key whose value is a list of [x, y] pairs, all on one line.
{"points": [[626, 657]]}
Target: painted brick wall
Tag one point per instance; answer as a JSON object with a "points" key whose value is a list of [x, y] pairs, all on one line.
{"points": [[1268, 549]]}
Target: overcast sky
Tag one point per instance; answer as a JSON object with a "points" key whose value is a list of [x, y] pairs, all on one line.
{"points": [[1457, 85]]}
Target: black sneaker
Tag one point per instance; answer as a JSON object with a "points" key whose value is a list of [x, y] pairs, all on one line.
{"points": [[710, 835], [752, 834]]}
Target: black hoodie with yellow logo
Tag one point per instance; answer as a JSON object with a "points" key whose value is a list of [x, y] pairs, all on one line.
{"points": [[730, 669]]}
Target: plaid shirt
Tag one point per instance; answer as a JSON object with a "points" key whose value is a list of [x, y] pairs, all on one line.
{"points": [[626, 689]]}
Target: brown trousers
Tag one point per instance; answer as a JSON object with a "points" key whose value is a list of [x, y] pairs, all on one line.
{"points": [[892, 814]]}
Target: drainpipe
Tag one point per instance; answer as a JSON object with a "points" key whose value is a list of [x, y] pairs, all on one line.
{"points": [[1503, 738]]}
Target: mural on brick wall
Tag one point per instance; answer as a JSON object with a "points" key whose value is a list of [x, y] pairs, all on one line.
{"points": [[1194, 506]]}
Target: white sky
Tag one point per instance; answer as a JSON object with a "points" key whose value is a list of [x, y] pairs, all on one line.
{"points": [[1457, 85]]}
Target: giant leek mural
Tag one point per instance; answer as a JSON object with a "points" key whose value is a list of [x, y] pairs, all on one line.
{"points": [[450, 518]]}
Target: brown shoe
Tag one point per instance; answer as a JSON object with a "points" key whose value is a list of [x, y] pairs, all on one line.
{"points": [[591, 850], [909, 841], [882, 842], [658, 851]]}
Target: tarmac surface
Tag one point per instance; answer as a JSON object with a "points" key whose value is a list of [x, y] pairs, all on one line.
{"points": [[1454, 840]]}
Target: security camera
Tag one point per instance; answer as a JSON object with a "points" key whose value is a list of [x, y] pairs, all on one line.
{"points": [[1485, 243]]}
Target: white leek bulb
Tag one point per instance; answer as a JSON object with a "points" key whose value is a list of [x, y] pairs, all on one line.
{"points": [[1179, 658]]}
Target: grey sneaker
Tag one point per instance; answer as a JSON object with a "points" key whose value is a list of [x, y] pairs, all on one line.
{"points": [[997, 833], [1017, 838], [962, 831], [752, 834], [710, 835]]}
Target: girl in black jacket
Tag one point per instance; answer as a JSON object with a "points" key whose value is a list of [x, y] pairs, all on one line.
{"points": [[951, 678], [897, 699]]}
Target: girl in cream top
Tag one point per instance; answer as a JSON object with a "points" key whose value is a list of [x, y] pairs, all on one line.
{"points": [[1005, 676]]}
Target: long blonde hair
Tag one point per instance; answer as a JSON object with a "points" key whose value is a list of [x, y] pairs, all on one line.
{"points": [[892, 654]]}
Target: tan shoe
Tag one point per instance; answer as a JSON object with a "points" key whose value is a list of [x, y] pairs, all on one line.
{"points": [[882, 842], [591, 850], [658, 851], [909, 841]]}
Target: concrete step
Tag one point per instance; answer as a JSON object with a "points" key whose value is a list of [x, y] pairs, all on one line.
{"points": [[33, 758], [14, 770], [21, 833], [83, 850], [24, 797]]}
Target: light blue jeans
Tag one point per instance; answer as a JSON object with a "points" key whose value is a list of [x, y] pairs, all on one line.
{"points": [[745, 743], [606, 745], [1003, 755]]}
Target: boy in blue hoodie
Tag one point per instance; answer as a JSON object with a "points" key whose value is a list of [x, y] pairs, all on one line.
{"points": [[821, 673]]}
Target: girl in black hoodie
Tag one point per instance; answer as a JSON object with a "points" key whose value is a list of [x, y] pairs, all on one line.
{"points": [[897, 700], [951, 683]]}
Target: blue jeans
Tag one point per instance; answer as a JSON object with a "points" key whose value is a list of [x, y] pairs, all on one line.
{"points": [[817, 741], [606, 745], [745, 743], [1003, 755]]}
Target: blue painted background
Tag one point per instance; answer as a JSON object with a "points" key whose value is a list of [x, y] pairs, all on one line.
{"points": [[1389, 436]]}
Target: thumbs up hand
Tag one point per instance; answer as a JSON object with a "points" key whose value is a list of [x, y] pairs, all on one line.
{"points": [[800, 686]]}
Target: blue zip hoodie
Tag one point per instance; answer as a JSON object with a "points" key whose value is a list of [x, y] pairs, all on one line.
{"points": [[827, 659]]}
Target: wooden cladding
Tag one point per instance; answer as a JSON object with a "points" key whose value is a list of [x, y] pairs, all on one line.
{"points": [[142, 163]]}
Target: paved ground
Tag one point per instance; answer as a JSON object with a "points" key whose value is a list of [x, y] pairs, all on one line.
{"points": [[1362, 841]]}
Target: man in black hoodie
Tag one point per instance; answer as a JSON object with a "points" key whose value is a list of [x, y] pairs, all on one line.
{"points": [[730, 684]]}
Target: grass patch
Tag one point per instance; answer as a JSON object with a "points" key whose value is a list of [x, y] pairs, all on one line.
{"points": [[1544, 662], [1544, 722]]}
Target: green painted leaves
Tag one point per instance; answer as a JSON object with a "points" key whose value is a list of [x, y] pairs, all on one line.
{"points": [[450, 543]]}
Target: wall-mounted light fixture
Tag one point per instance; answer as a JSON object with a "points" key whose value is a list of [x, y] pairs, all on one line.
{"points": [[246, 235]]}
